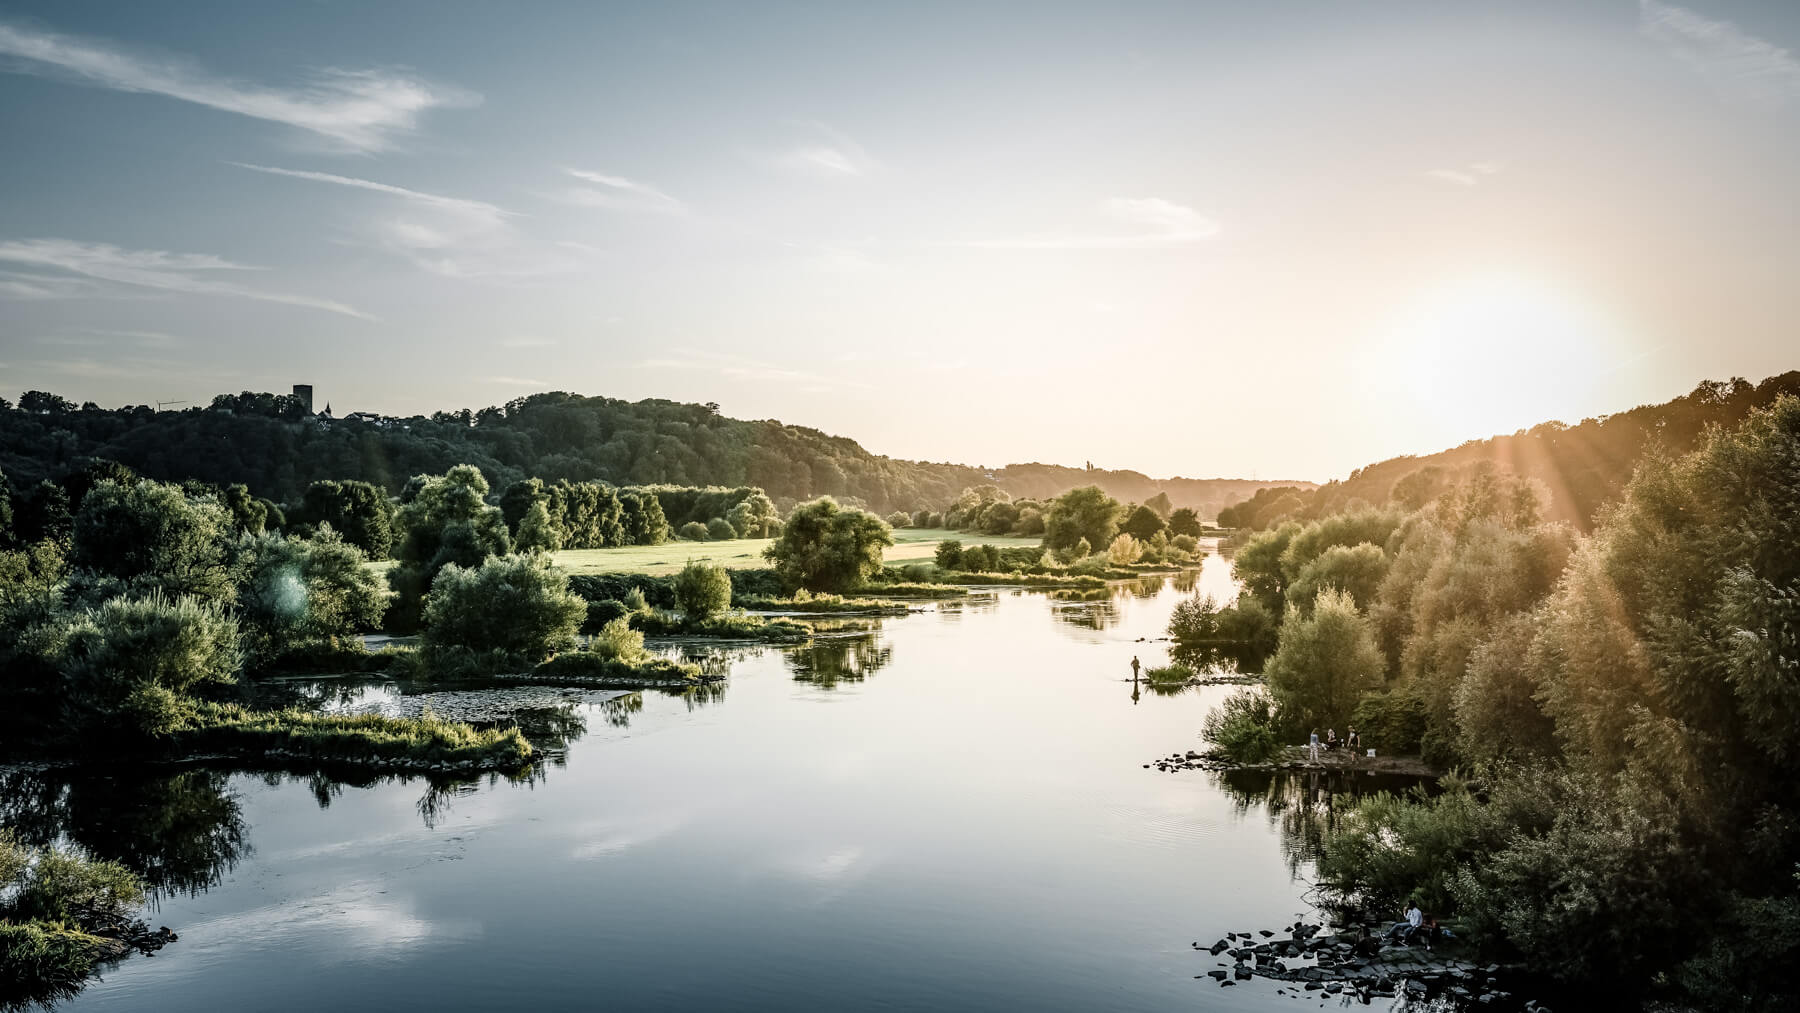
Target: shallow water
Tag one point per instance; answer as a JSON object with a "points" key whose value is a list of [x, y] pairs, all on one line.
{"points": [[948, 813]]}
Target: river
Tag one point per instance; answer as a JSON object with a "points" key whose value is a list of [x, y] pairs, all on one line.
{"points": [[948, 812]]}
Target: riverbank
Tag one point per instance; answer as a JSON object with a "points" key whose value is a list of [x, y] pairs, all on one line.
{"points": [[1296, 758]]}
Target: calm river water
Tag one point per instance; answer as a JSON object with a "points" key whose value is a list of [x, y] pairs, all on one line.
{"points": [[949, 813]]}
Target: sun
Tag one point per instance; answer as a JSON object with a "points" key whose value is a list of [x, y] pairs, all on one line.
{"points": [[1497, 353]]}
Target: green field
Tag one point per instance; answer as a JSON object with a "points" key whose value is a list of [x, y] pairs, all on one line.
{"points": [[910, 545]]}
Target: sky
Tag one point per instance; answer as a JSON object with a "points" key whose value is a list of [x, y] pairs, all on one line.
{"points": [[1276, 240]]}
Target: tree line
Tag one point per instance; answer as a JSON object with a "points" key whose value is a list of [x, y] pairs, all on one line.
{"points": [[1622, 704]]}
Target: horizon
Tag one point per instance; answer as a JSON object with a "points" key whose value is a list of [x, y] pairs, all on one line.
{"points": [[1487, 218]]}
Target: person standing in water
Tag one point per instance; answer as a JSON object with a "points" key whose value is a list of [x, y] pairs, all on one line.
{"points": [[1134, 668]]}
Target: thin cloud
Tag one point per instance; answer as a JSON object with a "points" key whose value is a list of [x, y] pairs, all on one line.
{"points": [[1469, 175], [518, 381], [1159, 223], [1738, 65], [620, 193], [829, 154], [739, 368], [188, 273], [362, 110], [452, 236], [473, 208]]}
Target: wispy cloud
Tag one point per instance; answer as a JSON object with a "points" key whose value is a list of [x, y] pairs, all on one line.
{"points": [[620, 193], [1469, 175], [826, 153], [1157, 222], [1738, 65], [452, 236], [361, 110], [737, 367], [188, 273], [473, 208], [518, 381]]}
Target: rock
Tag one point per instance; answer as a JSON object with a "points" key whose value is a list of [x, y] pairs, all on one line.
{"points": [[1218, 975], [1220, 947], [1241, 973]]}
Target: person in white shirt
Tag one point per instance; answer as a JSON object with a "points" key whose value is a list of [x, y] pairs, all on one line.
{"points": [[1405, 930], [1313, 747]]}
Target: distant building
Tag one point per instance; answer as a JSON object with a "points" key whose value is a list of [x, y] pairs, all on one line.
{"points": [[303, 393]]}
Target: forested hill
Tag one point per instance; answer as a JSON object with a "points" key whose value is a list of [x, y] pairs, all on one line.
{"points": [[1582, 466], [269, 443]]}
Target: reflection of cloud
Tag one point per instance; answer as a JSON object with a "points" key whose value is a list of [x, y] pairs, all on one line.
{"points": [[1159, 223], [829, 874], [361, 110], [601, 839], [376, 924], [1738, 65], [189, 273]]}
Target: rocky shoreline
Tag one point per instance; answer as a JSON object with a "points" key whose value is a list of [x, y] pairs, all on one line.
{"points": [[1359, 964]]}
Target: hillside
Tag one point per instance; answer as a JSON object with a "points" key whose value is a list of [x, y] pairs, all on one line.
{"points": [[1583, 466], [269, 443]]}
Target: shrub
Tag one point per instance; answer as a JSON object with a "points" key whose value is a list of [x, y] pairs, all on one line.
{"points": [[692, 531], [720, 530], [825, 547], [1173, 674], [949, 554], [519, 605], [1325, 662], [1243, 727], [1186, 543], [294, 592], [130, 658], [617, 641], [1124, 550], [899, 519], [153, 537], [702, 589]]}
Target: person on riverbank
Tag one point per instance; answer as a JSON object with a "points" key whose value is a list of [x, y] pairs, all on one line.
{"points": [[1405, 930], [1352, 741], [1313, 746], [1134, 668], [1331, 740]]}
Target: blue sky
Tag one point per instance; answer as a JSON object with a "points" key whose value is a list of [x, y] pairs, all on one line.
{"points": [[1207, 239]]}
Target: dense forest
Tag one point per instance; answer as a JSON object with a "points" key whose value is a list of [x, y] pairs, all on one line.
{"points": [[1580, 466], [1621, 703], [272, 445]]}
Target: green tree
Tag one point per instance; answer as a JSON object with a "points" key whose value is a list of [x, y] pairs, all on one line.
{"points": [[949, 554], [825, 547], [1161, 505], [359, 512], [702, 589], [1083, 513], [537, 532], [152, 536], [1324, 664], [129, 662], [1185, 521], [447, 521], [517, 606], [755, 516], [295, 592], [720, 530], [1356, 569], [1144, 524]]}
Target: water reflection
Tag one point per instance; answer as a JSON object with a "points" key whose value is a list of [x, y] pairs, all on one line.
{"points": [[1305, 805], [825, 662], [1220, 660], [179, 833]]}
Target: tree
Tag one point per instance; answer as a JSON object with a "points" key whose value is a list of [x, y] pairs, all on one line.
{"points": [[825, 547], [692, 531], [755, 516], [1124, 550], [1144, 524], [447, 521], [1324, 663], [1083, 513], [151, 536], [248, 514], [949, 554], [518, 606], [358, 511], [1161, 505], [1355, 569], [720, 530], [702, 589], [1185, 522], [645, 523], [295, 592], [536, 531]]}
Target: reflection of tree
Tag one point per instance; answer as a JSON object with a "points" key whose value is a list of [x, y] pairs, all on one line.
{"points": [[1219, 659], [1145, 587], [1187, 580], [179, 833], [702, 694], [1099, 615], [619, 709], [1306, 805], [826, 662]]}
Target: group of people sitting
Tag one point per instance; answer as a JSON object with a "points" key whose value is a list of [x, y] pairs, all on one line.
{"points": [[1417, 927], [1350, 741]]}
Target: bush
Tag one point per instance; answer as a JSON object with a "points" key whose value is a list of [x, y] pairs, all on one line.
{"points": [[1392, 722], [153, 536], [825, 547], [949, 554], [129, 659], [537, 532], [720, 530], [1186, 543], [1325, 663], [593, 587], [518, 605], [899, 519], [293, 593], [617, 641], [702, 589], [692, 531], [1243, 727], [1173, 674]]}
